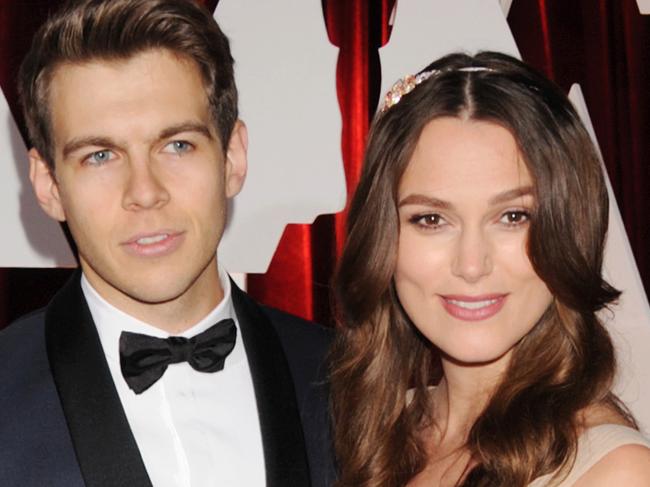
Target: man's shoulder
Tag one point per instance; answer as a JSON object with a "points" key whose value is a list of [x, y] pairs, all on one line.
{"points": [[26, 331], [296, 328], [295, 333], [34, 316], [24, 366], [23, 356], [305, 343], [306, 346], [36, 443]]}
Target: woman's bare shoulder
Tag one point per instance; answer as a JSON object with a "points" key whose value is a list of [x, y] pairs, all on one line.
{"points": [[627, 465], [625, 453]]}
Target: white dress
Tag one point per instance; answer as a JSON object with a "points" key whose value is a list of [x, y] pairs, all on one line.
{"points": [[593, 445]]}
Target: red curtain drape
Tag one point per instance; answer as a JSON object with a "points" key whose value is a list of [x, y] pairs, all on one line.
{"points": [[601, 44]]}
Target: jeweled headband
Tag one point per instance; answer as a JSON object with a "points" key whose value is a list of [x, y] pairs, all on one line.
{"points": [[409, 82]]}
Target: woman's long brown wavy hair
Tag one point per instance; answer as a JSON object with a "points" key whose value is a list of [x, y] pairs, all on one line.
{"points": [[566, 363]]}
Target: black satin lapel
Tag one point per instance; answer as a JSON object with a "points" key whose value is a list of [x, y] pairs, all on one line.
{"points": [[106, 450], [285, 456]]}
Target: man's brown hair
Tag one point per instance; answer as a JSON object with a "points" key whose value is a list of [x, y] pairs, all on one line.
{"points": [[112, 30]]}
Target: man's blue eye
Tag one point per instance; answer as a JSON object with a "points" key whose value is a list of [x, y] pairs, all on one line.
{"points": [[178, 146], [100, 157]]}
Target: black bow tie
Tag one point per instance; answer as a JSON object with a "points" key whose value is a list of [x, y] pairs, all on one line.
{"points": [[144, 358]]}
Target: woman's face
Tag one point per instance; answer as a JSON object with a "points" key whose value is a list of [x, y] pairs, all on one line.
{"points": [[463, 275]]}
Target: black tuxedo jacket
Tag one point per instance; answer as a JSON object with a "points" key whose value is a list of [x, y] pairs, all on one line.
{"points": [[62, 423]]}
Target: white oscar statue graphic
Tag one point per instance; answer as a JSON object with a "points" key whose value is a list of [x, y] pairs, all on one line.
{"points": [[31, 238], [285, 69], [424, 30], [427, 29]]}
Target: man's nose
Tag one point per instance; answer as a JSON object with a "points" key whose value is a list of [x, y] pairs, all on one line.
{"points": [[144, 186]]}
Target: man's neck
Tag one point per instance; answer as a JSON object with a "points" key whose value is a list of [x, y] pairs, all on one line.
{"points": [[173, 316]]}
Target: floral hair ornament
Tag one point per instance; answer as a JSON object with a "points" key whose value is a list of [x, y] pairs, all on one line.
{"points": [[409, 82]]}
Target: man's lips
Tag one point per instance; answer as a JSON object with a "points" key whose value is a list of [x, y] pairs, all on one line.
{"points": [[154, 244], [473, 308]]}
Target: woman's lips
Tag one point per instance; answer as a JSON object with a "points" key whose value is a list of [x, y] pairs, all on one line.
{"points": [[154, 244], [473, 308]]}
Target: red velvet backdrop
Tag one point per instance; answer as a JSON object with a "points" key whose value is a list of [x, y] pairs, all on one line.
{"points": [[601, 44]]}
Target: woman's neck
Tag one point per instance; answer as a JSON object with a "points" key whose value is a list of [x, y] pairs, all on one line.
{"points": [[462, 394], [459, 399]]}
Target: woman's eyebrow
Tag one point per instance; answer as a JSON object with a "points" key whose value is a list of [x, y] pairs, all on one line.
{"points": [[505, 196], [421, 199], [510, 195]]}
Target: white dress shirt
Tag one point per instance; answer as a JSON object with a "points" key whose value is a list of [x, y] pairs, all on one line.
{"points": [[193, 429]]}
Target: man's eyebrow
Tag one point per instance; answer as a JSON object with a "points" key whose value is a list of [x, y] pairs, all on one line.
{"points": [[81, 142], [511, 195], [186, 127], [421, 199]]}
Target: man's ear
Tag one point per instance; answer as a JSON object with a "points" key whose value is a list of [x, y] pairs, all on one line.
{"points": [[236, 159], [45, 186]]}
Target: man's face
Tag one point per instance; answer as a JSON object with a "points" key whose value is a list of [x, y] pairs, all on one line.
{"points": [[142, 181]]}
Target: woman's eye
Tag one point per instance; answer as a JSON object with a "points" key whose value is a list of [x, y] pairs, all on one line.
{"points": [[99, 157], [429, 220], [178, 147], [515, 217]]}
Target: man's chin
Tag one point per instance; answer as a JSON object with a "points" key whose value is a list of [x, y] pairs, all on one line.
{"points": [[153, 295]]}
